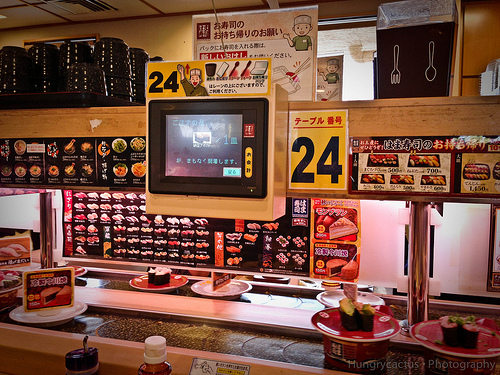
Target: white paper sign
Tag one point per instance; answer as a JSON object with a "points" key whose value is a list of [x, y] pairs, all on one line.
{"points": [[288, 36], [202, 366]]}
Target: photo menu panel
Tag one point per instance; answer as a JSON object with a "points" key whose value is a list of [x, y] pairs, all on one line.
{"points": [[115, 226], [104, 162]]}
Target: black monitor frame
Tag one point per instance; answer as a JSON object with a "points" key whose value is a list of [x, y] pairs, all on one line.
{"points": [[254, 111]]}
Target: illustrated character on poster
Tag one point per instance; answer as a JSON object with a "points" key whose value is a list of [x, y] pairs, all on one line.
{"points": [[192, 87], [332, 67], [302, 26]]}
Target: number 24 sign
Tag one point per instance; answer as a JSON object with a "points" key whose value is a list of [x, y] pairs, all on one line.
{"points": [[318, 150]]}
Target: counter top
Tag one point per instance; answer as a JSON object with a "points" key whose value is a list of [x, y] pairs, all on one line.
{"points": [[119, 319]]}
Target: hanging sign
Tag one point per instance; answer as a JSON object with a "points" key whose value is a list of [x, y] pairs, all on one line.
{"points": [[232, 77], [288, 36], [318, 150]]}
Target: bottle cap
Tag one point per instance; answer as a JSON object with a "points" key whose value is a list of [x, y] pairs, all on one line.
{"points": [[155, 349], [82, 359]]}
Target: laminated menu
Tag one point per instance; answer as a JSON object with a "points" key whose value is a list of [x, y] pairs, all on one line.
{"points": [[280, 246]]}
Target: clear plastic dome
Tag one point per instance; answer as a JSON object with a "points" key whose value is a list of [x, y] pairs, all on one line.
{"points": [[415, 12]]}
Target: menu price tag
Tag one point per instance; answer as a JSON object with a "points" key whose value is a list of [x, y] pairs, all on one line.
{"points": [[220, 279], [318, 156], [50, 288]]}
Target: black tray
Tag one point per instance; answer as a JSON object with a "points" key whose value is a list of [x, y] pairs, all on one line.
{"points": [[74, 99]]}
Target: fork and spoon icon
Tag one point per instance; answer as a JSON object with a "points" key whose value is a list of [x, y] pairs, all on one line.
{"points": [[395, 74], [430, 72]]}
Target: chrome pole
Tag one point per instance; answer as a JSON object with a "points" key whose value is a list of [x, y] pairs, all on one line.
{"points": [[46, 230], [418, 262]]}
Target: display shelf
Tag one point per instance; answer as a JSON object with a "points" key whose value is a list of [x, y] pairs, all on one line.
{"points": [[436, 116], [369, 118]]}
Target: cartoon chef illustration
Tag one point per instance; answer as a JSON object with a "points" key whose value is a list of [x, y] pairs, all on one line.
{"points": [[302, 26], [332, 67], [192, 87]]}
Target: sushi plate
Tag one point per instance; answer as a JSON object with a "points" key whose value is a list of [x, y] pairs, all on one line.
{"points": [[141, 283], [79, 271], [429, 335], [61, 316], [331, 298], [328, 322], [230, 291]]}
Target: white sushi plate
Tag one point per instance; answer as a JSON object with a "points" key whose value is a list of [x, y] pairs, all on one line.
{"points": [[229, 291], [62, 316], [331, 298]]}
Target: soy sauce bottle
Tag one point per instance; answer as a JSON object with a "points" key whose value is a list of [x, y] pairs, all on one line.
{"points": [[155, 357], [83, 361]]}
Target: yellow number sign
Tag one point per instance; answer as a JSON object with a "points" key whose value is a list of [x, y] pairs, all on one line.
{"points": [[318, 150]]}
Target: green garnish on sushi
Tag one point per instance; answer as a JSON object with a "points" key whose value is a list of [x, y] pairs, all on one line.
{"points": [[367, 314], [348, 314]]}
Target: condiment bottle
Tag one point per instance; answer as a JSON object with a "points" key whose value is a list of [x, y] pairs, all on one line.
{"points": [[82, 361], [155, 357]]}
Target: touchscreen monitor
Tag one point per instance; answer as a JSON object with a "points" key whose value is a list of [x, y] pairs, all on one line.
{"points": [[209, 147]]}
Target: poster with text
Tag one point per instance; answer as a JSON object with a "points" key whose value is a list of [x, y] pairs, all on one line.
{"points": [[288, 36]]}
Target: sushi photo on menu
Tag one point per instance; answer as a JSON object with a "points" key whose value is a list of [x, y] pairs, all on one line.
{"points": [[15, 251]]}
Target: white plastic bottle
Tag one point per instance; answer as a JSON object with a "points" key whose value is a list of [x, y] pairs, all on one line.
{"points": [[155, 357]]}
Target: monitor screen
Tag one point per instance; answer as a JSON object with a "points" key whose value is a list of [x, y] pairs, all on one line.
{"points": [[209, 147], [204, 145]]}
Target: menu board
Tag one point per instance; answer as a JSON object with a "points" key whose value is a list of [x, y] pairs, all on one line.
{"points": [[280, 246], [107, 162], [115, 225], [426, 165]]}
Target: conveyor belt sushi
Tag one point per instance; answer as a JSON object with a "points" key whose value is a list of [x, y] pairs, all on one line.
{"points": [[356, 316], [459, 331]]}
